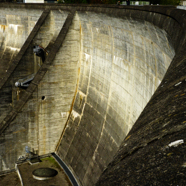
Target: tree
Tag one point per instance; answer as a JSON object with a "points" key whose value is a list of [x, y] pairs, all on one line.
{"points": [[165, 2]]}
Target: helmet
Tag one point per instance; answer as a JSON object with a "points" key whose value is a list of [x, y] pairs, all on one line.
{"points": [[17, 84]]}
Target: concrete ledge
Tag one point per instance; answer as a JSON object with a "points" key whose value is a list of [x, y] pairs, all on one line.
{"points": [[4, 124], [24, 47], [40, 74]]}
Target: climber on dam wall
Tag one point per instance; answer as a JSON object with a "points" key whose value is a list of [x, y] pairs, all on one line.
{"points": [[25, 82], [39, 51]]}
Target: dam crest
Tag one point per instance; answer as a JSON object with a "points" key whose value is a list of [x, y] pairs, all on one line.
{"points": [[109, 97]]}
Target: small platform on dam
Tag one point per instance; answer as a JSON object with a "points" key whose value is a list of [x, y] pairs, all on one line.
{"points": [[27, 172], [47, 173], [44, 173]]}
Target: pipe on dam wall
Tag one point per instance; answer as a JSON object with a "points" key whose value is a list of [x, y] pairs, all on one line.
{"points": [[112, 60]]}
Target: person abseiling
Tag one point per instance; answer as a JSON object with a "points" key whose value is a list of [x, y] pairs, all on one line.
{"points": [[24, 82], [39, 51]]}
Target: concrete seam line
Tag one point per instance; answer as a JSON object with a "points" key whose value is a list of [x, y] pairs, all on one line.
{"points": [[66, 169], [19, 174], [66, 26]]}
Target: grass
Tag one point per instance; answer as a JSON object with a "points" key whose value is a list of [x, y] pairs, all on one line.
{"points": [[52, 161]]}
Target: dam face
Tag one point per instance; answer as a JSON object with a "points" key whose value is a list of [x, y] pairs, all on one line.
{"points": [[122, 62], [104, 63], [14, 29]]}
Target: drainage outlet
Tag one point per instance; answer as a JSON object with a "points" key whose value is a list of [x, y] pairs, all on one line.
{"points": [[44, 173]]}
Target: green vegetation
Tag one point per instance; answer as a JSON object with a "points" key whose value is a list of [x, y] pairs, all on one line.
{"points": [[73, 1], [160, 2], [165, 2], [52, 161], [60, 1]]}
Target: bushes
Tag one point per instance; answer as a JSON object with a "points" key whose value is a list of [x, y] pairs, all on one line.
{"points": [[72, 1], [160, 2], [165, 2]]}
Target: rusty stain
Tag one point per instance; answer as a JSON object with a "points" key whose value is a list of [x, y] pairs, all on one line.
{"points": [[44, 139], [182, 94], [22, 130], [18, 91], [57, 146], [3, 27], [78, 71], [67, 118], [169, 154], [80, 28], [128, 137]]}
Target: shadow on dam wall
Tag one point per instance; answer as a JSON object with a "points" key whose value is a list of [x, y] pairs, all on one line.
{"points": [[89, 101]]}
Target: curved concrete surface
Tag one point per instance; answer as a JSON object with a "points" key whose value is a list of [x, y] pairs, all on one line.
{"points": [[95, 86], [44, 33], [14, 29], [66, 169]]}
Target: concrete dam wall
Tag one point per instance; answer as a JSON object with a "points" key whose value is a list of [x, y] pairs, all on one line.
{"points": [[104, 63]]}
